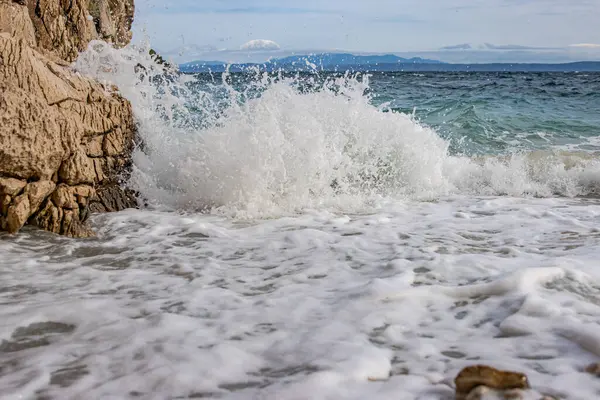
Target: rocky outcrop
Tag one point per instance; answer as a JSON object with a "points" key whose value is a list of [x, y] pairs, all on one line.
{"points": [[65, 140], [14, 20], [113, 19], [65, 27]]}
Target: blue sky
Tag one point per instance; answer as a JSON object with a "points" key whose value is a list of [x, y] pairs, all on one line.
{"points": [[218, 28]]}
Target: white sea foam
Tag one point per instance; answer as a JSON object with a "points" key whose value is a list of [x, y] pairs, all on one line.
{"points": [[316, 306]]}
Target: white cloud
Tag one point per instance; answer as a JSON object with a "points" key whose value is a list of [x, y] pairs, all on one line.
{"points": [[260, 45], [586, 45]]}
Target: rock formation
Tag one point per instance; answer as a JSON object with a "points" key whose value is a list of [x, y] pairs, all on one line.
{"points": [[65, 140], [474, 382], [66, 27], [482, 382]]}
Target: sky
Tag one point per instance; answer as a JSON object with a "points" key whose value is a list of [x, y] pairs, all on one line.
{"points": [[457, 30]]}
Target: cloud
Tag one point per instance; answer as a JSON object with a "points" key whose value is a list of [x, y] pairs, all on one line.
{"points": [[463, 46], [499, 47], [491, 46], [586, 45], [260, 45]]}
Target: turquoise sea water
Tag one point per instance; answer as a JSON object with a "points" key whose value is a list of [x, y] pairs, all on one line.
{"points": [[481, 112], [497, 112]]}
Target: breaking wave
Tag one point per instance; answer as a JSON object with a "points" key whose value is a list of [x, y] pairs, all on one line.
{"points": [[282, 144]]}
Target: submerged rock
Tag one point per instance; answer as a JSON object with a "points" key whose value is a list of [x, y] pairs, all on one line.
{"points": [[65, 140], [475, 381], [593, 369]]}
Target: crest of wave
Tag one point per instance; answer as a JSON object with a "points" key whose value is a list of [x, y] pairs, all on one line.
{"points": [[283, 150], [285, 144]]}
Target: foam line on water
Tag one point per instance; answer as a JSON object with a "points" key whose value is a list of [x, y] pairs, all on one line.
{"points": [[522, 281], [585, 335]]}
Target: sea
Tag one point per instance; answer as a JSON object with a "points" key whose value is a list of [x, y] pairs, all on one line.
{"points": [[322, 236]]}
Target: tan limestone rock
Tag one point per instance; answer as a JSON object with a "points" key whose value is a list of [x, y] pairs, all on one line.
{"points": [[113, 143], [14, 19], [72, 197], [99, 167], [49, 217], [61, 27], [94, 146], [11, 186], [20, 153], [66, 27], [62, 135], [64, 197], [63, 221], [18, 213], [5, 201], [83, 191], [78, 168], [38, 191], [113, 20]]}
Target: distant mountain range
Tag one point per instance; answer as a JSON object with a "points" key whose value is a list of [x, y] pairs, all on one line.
{"points": [[374, 63], [328, 60], [321, 61]]}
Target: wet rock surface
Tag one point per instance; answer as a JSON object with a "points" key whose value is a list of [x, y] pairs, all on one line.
{"points": [[476, 381], [482, 382], [593, 369]]}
